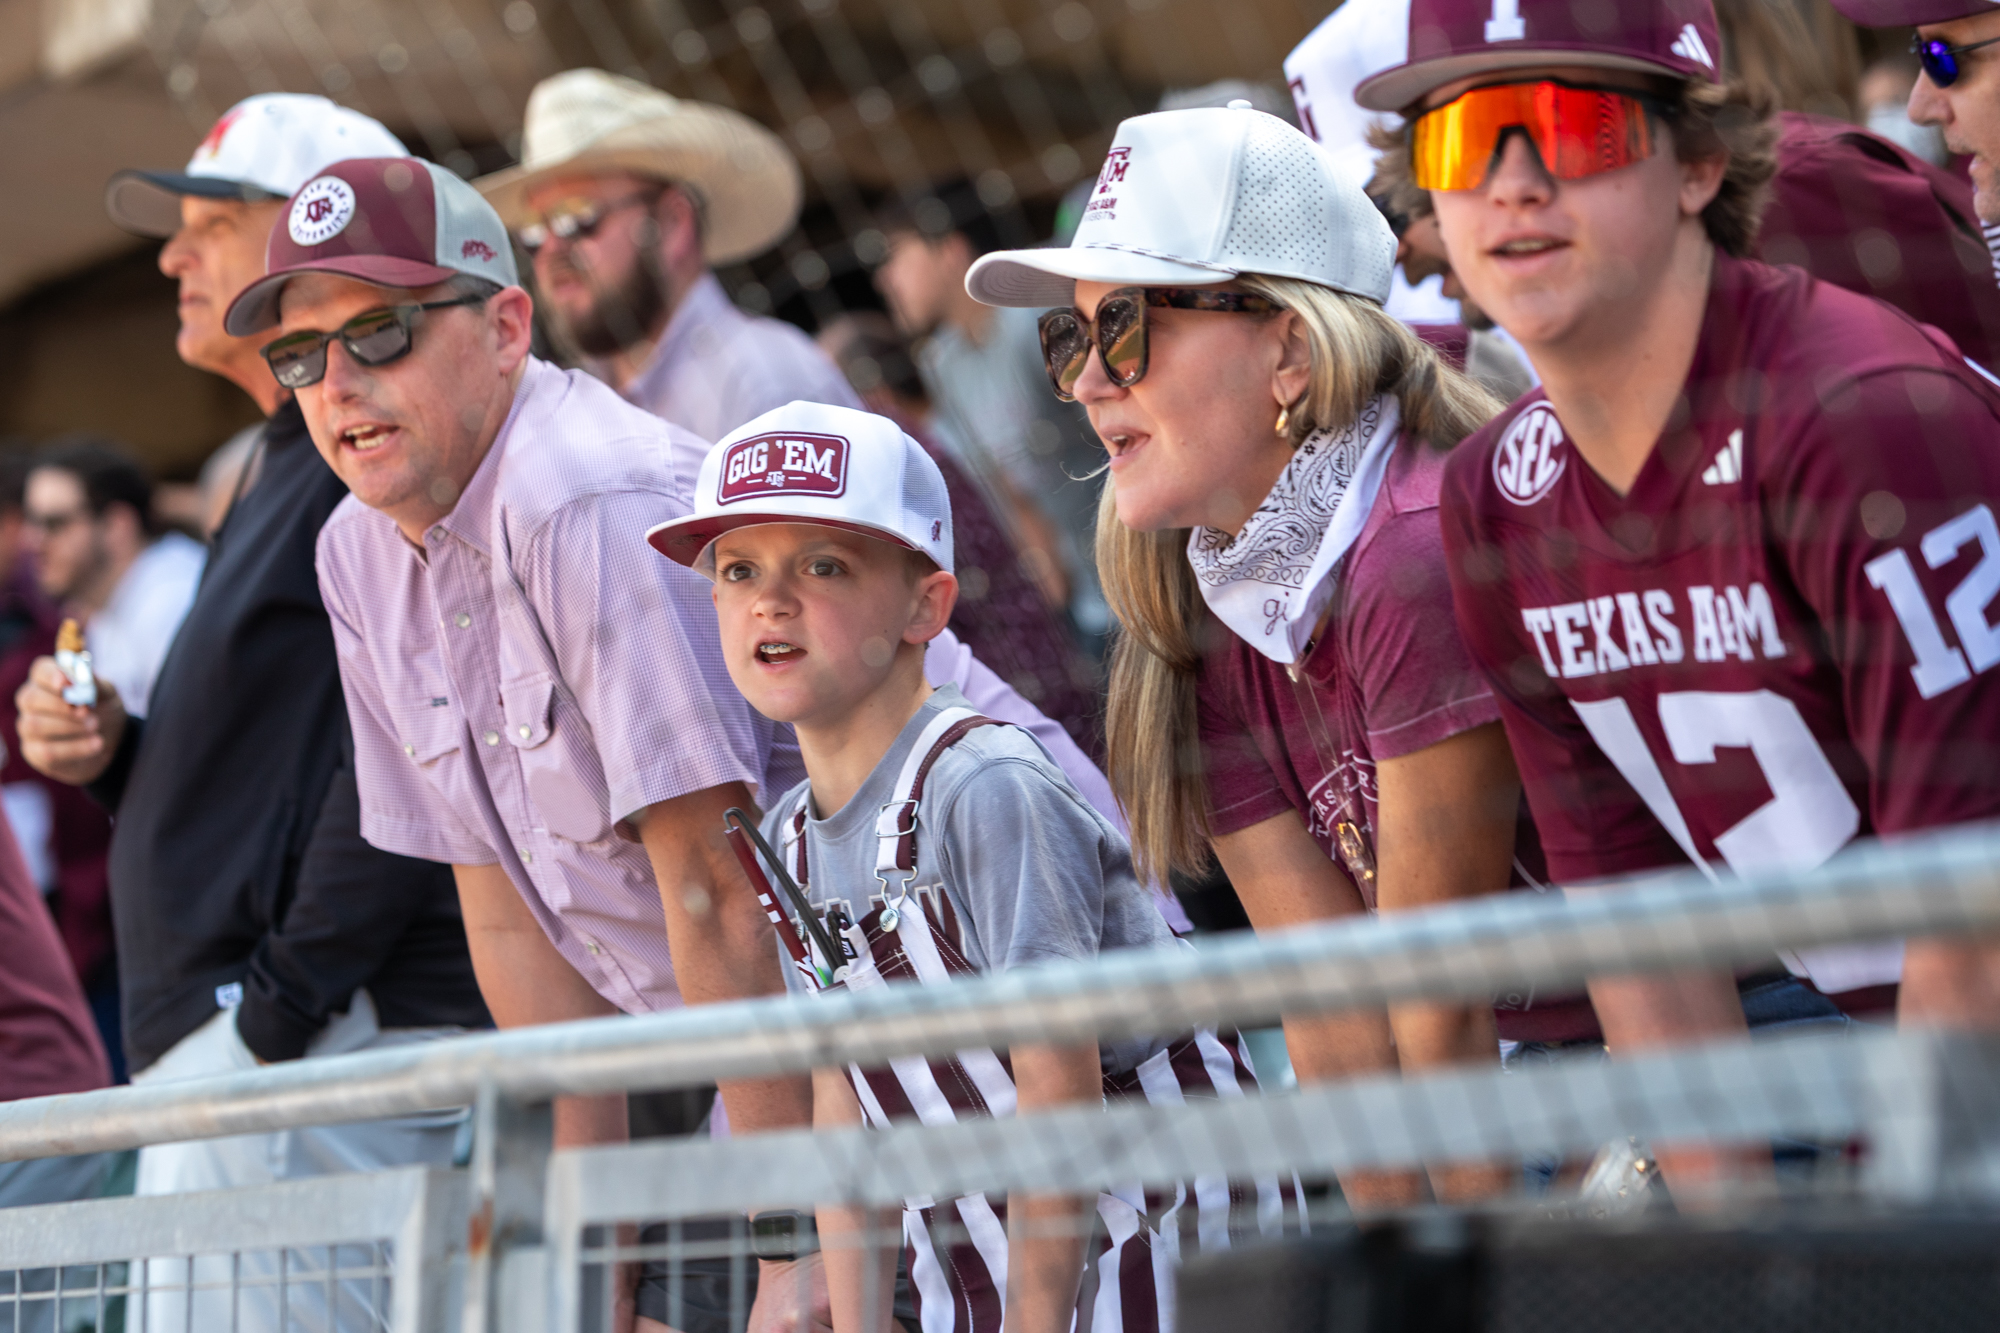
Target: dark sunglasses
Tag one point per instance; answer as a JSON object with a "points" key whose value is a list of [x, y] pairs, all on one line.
{"points": [[1941, 61], [574, 221], [1119, 331], [374, 339]]}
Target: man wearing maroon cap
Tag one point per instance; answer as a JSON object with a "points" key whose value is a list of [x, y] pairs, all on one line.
{"points": [[1958, 45], [536, 699], [1728, 570]]}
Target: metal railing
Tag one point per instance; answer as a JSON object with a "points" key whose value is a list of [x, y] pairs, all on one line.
{"points": [[513, 1228]]}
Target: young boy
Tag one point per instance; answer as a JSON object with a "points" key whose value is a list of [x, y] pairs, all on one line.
{"points": [[931, 843]]}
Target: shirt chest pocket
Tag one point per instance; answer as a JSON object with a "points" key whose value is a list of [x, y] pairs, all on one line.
{"points": [[559, 764], [427, 730]]}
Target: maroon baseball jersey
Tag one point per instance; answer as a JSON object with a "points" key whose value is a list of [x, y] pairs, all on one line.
{"points": [[1781, 639]]}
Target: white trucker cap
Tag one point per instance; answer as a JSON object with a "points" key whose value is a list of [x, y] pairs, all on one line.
{"points": [[264, 147], [813, 463], [1189, 198]]}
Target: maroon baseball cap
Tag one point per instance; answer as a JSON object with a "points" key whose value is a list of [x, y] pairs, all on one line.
{"points": [[391, 221], [1909, 13], [1459, 39]]}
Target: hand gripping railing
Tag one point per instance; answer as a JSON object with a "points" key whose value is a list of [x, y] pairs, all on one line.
{"points": [[1946, 883]]}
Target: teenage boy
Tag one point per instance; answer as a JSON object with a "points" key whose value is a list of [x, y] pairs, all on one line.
{"points": [[827, 533], [1729, 570]]}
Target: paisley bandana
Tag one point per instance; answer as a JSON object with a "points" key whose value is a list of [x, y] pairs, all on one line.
{"points": [[1271, 582]]}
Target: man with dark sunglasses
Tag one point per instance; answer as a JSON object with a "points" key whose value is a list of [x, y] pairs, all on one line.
{"points": [[535, 697], [1958, 90], [253, 922], [1725, 569]]}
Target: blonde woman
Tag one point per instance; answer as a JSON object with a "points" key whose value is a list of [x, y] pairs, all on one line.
{"points": [[1289, 688]]}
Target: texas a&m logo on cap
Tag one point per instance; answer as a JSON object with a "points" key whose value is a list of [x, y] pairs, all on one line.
{"points": [[1531, 456], [322, 209], [791, 463]]}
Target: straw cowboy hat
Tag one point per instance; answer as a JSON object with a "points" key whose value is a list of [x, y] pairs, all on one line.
{"points": [[586, 120]]}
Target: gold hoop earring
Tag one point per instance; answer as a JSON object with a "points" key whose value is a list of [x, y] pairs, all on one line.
{"points": [[1284, 426]]}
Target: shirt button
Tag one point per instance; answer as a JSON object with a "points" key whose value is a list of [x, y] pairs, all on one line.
{"points": [[527, 855], [594, 947], [462, 620], [527, 732], [492, 738], [410, 750], [437, 533]]}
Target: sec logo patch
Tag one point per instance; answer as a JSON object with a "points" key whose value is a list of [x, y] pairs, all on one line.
{"points": [[1531, 456], [321, 211]]}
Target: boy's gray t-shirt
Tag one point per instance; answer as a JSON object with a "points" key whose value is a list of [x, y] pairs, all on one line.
{"points": [[1033, 872]]}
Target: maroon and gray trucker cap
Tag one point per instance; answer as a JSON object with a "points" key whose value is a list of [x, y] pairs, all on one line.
{"points": [[391, 221], [1462, 39], [1909, 13]]}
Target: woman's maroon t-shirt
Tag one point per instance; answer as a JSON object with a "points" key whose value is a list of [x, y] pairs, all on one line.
{"points": [[1390, 676]]}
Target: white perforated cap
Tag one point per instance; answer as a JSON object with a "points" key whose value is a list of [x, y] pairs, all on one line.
{"points": [[1190, 198]]}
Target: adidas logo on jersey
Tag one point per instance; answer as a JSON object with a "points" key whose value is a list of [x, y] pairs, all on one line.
{"points": [[1728, 465], [1689, 46]]}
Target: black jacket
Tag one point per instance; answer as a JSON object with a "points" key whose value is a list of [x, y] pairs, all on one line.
{"points": [[237, 865]]}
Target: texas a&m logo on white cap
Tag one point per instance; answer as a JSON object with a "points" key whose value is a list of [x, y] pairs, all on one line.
{"points": [[791, 463], [1531, 456]]}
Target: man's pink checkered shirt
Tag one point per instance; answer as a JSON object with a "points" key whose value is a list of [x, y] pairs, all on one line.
{"points": [[537, 674]]}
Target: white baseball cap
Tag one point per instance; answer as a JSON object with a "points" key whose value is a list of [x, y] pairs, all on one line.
{"points": [[1190, 198], [812, 463], [264, 147], [1350, 44]]}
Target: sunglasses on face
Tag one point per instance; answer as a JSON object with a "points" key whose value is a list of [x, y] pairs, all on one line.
{"points": [[1119, 331], [574, 220], [1940, 61], [1578, 131], [373, 339]]}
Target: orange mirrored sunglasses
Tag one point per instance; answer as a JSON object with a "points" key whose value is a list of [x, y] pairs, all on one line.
{"points": [[1578, 131]]}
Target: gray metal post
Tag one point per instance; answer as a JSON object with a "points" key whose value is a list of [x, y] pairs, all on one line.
{"points": [[1934, 1120], [430, 1255], [505, 1258]]}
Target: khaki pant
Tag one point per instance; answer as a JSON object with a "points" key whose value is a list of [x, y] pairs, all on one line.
{"points": [[242, 1291]]}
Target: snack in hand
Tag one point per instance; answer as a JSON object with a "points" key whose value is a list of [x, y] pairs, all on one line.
{"points": [[73, 659]]}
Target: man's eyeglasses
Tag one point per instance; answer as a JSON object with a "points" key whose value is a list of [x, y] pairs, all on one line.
{"points": [[1119, 331], [52, 525], [374, 339], [574, 220], [1940, 61]]}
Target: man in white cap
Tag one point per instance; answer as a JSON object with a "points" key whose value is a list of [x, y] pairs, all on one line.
{"points": [[254, 924], [1351, 43], [626, 197]]}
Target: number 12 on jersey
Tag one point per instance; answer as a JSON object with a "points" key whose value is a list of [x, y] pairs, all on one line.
{"points": [[1940, 666]]}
